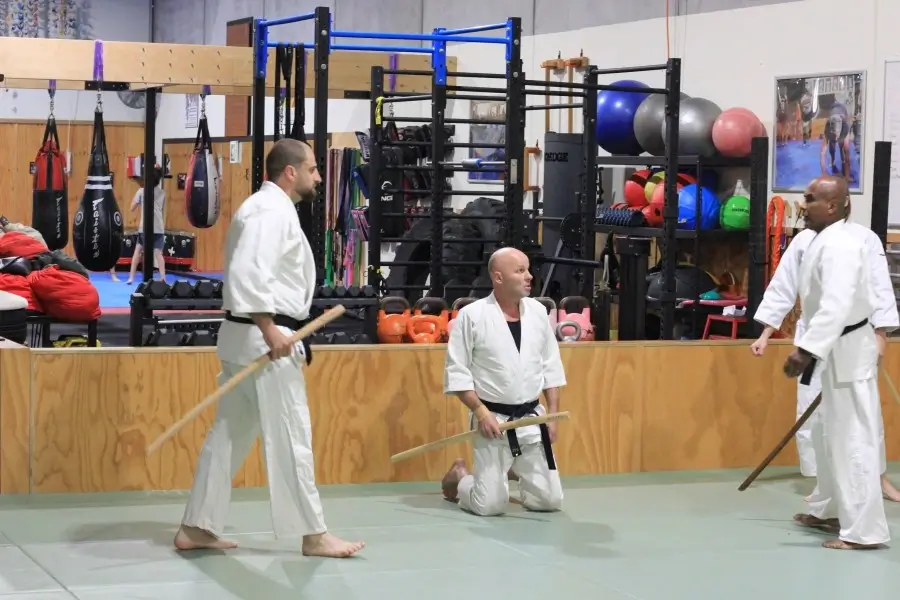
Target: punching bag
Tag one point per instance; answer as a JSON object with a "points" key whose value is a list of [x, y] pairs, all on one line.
{"points": [[98, 229], [201, 189], [50, 198]]}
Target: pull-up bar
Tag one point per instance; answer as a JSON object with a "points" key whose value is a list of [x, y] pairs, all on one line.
{"points": [[421, 37], [285, 20], [476, 29]]}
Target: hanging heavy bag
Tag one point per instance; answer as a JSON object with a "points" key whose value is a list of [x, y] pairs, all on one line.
{"points": [[202, 185], [50, 198], [98, 228]]}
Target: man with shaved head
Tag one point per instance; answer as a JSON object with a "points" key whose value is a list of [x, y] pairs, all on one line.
{"points": [[840, 342], [781, 296], [502, 354], [268, 287]]}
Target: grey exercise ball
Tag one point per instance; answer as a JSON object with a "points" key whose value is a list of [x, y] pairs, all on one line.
{"points": [[695, 125], [648, 120]]}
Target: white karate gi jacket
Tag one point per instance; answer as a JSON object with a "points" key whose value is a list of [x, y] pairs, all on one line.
{"points": [[781, 294], [835, 293], [269, 268]]}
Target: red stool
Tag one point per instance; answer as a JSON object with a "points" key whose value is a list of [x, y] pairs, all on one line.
{"points": [[740, 302]]}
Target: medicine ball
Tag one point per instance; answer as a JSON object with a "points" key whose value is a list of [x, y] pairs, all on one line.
{"points": [[687, 207], [634, 188], [735, 214]]}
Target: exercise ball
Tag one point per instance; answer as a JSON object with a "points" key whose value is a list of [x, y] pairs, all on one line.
{"points": [[656, 177], [634, 188], [648, 122], [735, 214], [659, 192], [687, 207], [653, 215], [615, 118], [695, 125], [734, 130]]}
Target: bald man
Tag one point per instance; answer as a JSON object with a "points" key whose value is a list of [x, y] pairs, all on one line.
{"points": [[836, 302], [268, 287], [780, 298], [501, 355]]}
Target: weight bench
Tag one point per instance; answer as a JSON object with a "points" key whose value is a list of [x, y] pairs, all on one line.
{"points": [[40, 329]]}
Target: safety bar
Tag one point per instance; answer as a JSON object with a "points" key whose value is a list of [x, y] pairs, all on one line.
{"points": [[629, 69], [286, 20], [419, 37], [392, 49], [475, 29]]}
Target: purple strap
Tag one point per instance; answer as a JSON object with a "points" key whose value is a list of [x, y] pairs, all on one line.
{"points": [[52, 85], [207, 90], [98, 60], [393, 65]]}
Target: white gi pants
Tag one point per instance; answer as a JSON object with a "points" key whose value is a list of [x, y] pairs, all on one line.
{"points": [[849, 441], [271, 402], [485, 492]]}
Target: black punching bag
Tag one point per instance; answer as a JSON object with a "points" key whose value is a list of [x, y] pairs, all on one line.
{"points": [[50, 198], [97, 232], [201, 189]]}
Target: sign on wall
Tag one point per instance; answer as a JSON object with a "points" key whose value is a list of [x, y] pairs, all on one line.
{"points": [[819, 125]]}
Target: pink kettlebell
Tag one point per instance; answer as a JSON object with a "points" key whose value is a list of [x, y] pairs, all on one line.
{"points": [[550, 305], [454, 310], [574, 317]]}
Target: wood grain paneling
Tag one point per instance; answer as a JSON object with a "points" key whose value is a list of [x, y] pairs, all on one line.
{"points": [[19, 143], [237, 108], [634, 407]]}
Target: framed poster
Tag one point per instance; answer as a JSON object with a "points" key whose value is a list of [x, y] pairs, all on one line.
{"points": [[487, 110], [819, 125]]}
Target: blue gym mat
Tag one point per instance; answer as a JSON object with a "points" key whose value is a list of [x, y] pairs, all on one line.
{"points": [[116, 294], [796, 165]]}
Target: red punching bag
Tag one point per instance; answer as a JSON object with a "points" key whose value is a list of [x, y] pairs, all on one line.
{"points": [[202, 184], [50, 198]]}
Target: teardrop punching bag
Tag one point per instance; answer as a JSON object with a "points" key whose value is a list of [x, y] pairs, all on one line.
{"points": [[98, 228], [50, 198], [201, 189]]}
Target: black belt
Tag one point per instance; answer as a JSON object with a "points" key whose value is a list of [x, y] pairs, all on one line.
{"points": [[518, 411], [807, 374], [281, 321]]}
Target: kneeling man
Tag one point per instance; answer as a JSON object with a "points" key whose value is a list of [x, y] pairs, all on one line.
{"points": [[501, 355]]}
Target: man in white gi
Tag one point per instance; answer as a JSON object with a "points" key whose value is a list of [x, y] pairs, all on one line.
{"points": [[501, 355], [268, 288], [779, 300], [835, 298]]}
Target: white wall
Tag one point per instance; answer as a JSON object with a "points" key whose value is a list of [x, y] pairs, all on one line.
{"points": [[110, 20], [733, 57]]}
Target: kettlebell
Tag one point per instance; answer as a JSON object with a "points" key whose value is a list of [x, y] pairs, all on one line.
{"points": [[430, 306], [552, 312], [454, 311], [392, 326], [569, 312]]}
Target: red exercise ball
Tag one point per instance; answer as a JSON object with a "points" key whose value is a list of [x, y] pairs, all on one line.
{"points": [[634, 188], [653, 215], [659, 192], [734, 130]]}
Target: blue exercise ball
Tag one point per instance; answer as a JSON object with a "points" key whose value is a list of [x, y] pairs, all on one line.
{"points": [[687, 207], [615, 118]]}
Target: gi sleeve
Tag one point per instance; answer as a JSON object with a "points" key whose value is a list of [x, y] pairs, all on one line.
{"points": [[553, 372], [839, 268], [254, 260], [884, 303], [781, 294], [458, 362]]}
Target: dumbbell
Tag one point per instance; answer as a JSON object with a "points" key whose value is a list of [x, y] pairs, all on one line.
{"points": [[361, 338], [152, 338], [369, 292], [205, 289], [340, 291], [181, 289], [326, 291], [341, 338], [153, 289], [217, 290], [353, 291]]}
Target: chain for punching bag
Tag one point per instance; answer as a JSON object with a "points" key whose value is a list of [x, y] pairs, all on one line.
{"points": [[201, 189], [98, 227], [50, 198]]}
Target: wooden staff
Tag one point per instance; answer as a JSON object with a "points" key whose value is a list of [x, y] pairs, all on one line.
{"points": [[462, 437], [304, 331]]}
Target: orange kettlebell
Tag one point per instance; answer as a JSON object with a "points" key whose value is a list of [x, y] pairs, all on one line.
{"points": [[392, 326], [429, 306], [568, 313], [454, 311]]}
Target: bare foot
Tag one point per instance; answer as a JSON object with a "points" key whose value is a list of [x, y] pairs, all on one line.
{"points": [[329, 546], [192, 538], [842, 545], [826, 525], [450, 482], [888, 490]]}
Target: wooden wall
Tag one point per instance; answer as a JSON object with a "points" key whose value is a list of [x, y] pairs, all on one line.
{"points": [[20, 141], [78, 420]]}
